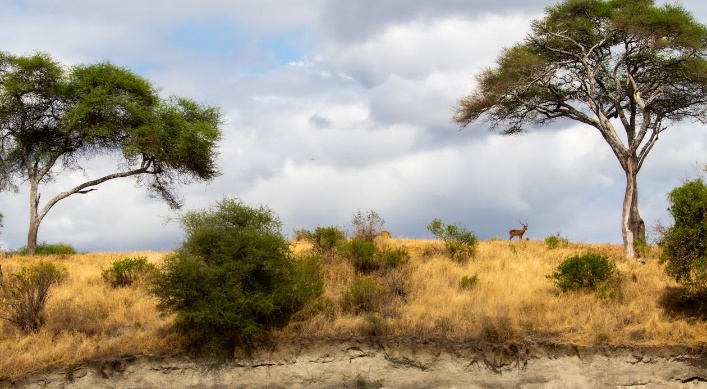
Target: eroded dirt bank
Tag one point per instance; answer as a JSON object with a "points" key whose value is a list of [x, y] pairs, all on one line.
{"points": [[396, 364]]}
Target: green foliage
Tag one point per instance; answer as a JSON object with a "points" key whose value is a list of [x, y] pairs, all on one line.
{"points": [[324, 239], [362, 254], [368, 226], [128, 271], [584, 271], [367, 257], [685, 243], [233, 278], [45, 248], [393, 257], [23, 295], [364, 295], [307, 284], [459, 243], [556, 241], [468, 283]]}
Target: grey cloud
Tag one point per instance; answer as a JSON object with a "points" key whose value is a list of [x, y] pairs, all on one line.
{"points": [[354, 21], [319, 122]]}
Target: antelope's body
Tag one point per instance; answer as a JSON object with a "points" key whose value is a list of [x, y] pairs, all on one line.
{"points": [[518, 233]]}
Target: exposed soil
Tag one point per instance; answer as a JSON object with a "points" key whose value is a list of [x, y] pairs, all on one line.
{"points": [[399, 363]]}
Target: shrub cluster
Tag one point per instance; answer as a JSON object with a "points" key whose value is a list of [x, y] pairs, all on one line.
{"points": [[23, 295], [44, 248], [367, 256], [685, 242], [128, 271], [468, 283], [233, 278], [364, 295], [324, 240], [459, 242], [555, 241], [583, 271]]}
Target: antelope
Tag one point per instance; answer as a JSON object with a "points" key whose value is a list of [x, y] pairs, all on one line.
{"points": [[519, 233]]}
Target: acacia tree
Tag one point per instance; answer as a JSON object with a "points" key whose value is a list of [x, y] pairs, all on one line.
{"points": [[53, 119], [613, 65]]}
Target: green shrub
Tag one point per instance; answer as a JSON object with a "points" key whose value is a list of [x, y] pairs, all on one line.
{"points": [[324, 239], [368, 226], [362, 254], [556, 241], [45, 248], [459, 242], [467, 282], [393, 257], [685, 243], [23, 295], [307, 284], [366, 256], [233, 278], [364, 295], [583, 271], [128, 271]]}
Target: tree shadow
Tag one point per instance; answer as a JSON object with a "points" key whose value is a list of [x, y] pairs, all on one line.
{"points": [[680, 302]]}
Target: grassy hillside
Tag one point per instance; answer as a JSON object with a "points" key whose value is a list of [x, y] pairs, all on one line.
{"points": [[511, 301]]}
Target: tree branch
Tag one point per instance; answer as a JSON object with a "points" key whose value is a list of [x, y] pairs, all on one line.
{"points": [[87, 184]]}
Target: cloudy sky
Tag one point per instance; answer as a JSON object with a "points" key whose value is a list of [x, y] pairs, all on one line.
{"points": [[334, 107]]}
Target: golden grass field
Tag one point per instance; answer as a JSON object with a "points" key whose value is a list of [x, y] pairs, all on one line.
{"points": [[513, 301]]}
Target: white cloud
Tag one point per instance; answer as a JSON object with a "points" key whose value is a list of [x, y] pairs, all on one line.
{"points": [[359, 119]]}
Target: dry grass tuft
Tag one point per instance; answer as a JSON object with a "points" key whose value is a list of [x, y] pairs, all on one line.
{"points": [[512, 300]]}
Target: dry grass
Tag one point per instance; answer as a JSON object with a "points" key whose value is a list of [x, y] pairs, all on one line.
{"points": [[86, 319], [512, 301]]}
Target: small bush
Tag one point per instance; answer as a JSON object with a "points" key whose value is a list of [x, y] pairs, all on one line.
{"points": [[367, 227], [392, 258], [324, 239], [366, 257], [23, 295], [364, 295], [583, 271], [459, 242], [45, 248], [362, 254], [126, 272], [556, 241], [468, 283]]}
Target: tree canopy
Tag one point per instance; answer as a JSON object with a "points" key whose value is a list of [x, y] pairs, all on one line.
{"points": [[55, 118], [616, 64]]}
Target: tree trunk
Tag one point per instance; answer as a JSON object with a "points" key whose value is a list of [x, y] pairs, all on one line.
{"points": [[34, 218], [32, 236], [633, 228]]}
